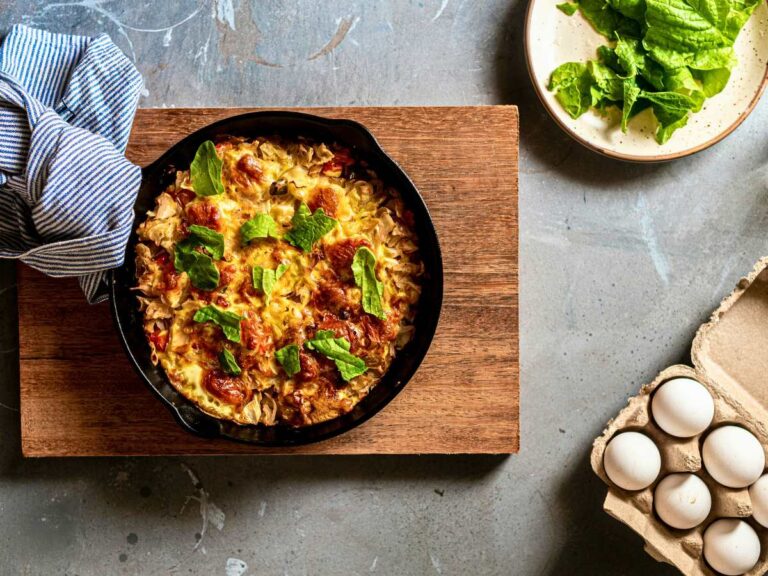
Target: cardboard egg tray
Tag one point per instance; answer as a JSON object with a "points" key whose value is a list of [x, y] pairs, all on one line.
{"points": [[730, 358]]}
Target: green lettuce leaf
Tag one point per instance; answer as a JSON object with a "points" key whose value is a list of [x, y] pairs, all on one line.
{"points": [[308, 227], [265, 279], [608, 21], [695, 33], [201, 270], [634, 9], [337, 349], [606, 84], [260, 226], [229, 322], [712, 81], [205, 171], [364, 271], [228, 363], [200, 267], [631, 92], [209, 239], [289, 359], [671, 110], [679, 53], [572, 84], [568, 8]]}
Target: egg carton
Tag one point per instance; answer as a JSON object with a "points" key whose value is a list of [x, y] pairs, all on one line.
{"points": [[730, 358]]}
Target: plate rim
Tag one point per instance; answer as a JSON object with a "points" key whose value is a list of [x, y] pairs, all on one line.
{"points": [[636, 158]]}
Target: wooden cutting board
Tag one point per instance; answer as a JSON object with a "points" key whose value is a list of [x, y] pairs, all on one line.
{"points": [[81, 397]]}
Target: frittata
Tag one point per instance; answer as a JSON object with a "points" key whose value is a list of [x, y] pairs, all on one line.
{"points": [[278, 279]]}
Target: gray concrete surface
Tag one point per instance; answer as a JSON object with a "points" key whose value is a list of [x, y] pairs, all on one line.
{"points": [[619, 265]]}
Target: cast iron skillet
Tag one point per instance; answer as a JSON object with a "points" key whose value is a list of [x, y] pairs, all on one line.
{"points": [[128, 319]]}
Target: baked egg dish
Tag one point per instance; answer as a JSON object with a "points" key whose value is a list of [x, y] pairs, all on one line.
{"points": [[277, 280]]}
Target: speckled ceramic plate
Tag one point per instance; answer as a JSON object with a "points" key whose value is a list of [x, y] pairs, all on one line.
{"points": [[552, 38]]}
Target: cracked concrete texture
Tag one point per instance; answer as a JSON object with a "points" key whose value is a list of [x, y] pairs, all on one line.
{"points": [[619, 265]]}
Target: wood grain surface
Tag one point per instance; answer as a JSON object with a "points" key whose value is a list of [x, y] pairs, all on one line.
{"points": [[81, 397]]}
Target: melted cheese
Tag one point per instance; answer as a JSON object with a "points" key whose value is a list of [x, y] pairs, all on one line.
{"points": [[275, 177]]}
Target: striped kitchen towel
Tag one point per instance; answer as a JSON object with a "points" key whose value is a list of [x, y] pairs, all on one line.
{"points": [[66, 189]]}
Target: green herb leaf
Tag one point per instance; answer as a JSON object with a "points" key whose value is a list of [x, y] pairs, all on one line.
{"points": [[671, 110], [695, 33], [228, 321], [568, 8], [634, 9], [200, 267], [572, 85], [205, 171], [631, 92], [607, 21], [260, 226], [288, 356], [337, 349], [309, 227], [228, 363], [670, 55], [264, 279], [212, 241], [364, 270]]}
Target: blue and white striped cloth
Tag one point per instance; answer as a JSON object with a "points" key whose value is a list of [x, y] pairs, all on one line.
{"points": [[66, 189]]}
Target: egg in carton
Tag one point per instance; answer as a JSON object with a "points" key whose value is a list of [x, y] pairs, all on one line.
{"points": [[730, 359]]}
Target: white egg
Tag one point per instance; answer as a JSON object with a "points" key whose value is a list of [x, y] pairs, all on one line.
{"points": [[731, 546], [682, 501], [758, 494], [733, 456], [682, 407], [632, 461]]}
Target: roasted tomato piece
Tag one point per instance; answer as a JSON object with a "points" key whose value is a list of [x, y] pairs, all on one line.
{"points": [[183, 196], [203, 213], [325, 198], [377, 330], [310, 369], [226, 388], [170, 277], [226, 273], [336, 165], [341, 329], [249, 166], [342, 253], [160, 339], [330, 296], [222, 301]]}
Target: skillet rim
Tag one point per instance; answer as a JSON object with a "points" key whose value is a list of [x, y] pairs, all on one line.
{"points": [[407, 361]]}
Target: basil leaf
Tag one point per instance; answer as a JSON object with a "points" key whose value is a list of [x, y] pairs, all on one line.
{"points": [[288, 356], [308, 228], [364, 270], [260, 226], [264, 279], [205, 171], [337, 349], [228, 321], [228, 363]]}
